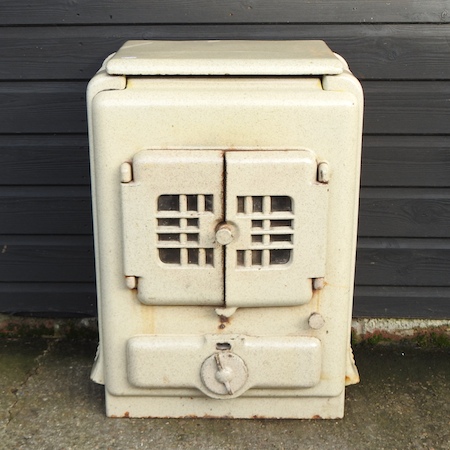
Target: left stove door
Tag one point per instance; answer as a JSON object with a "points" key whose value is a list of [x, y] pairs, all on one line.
{"points": [[172, 203]]}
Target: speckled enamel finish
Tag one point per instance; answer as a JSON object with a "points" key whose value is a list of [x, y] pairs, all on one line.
{"points": [[132, 112]]}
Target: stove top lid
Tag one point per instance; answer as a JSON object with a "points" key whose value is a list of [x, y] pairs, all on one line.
{"points": [[220, 58]]}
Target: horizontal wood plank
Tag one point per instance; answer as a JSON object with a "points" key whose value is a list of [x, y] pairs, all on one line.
{"points": [[79, 299], [380, 262], [403, 262], [43, 107], [49, 299], [66, 210], [406, 161], [409, 107], [64, 12], [52, 261], [44, 160], [401, 302], [45, 210], [394, 107], [46, 259], [388, 161], [403, 212], [373, 52]]}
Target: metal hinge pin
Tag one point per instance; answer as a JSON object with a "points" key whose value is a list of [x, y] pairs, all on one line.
{"points": [[126, 172], [323, 172]]}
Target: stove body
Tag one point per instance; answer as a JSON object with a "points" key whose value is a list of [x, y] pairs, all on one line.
{"points": [[225, 180]]}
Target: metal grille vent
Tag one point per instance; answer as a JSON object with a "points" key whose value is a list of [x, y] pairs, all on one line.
{"points": [[272, 237], [179, 227]]}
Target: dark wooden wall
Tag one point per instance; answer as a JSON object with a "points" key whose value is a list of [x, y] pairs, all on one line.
{"points": [[400, 51]]}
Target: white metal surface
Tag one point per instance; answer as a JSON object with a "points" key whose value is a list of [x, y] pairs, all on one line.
{"points": [[188, 173], [271, 232], [224, 58], [280, 210], [170, 211], [262, 362]]}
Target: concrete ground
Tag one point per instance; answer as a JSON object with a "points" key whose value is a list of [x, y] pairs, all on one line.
{"points": [[48, 402]]}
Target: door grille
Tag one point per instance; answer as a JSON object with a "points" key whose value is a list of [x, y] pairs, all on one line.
{"points": [[178, 229], [272, 225]]}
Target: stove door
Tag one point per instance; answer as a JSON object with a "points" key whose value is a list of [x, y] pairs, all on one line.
{"points": [[279, 212], [170, 207], [263, 250]]}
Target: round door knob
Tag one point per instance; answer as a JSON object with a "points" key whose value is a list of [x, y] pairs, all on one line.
{"points": [[316, 321], [224, 234], [223, 374]]}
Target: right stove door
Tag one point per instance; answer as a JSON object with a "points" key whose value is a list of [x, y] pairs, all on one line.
{"points": [[279, 210]]}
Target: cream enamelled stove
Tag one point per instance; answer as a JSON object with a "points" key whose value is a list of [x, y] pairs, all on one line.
{"points": [[225, 181]]}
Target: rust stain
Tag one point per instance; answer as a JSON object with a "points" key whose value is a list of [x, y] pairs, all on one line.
{"points": [[190, 416], [317, 297], [208, 416], [256, 416], [126, 414], [317, 417], [224, 321], [423, 336], [145, 314]]}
